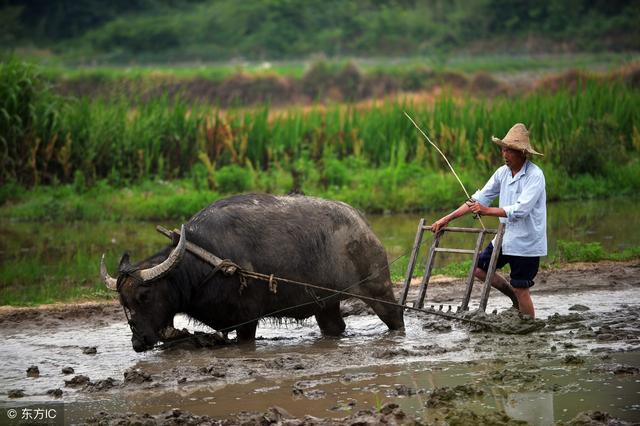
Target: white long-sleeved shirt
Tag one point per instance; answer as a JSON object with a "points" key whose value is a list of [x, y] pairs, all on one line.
{"points": [[523, 197]]}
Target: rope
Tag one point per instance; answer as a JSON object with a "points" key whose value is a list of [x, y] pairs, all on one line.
{"points": [[270, 279], [316, 299], [448, 163], [373, 299]]}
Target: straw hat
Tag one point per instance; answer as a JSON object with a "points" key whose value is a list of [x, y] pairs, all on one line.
{"points": [[517, 138]]}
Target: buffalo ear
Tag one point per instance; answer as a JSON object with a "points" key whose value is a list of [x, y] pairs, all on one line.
{"points": [[124, 262]]}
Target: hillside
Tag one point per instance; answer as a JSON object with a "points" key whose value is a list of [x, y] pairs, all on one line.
{"points": [[193, 30]]}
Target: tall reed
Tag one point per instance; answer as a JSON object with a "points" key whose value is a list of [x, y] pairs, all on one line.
{"points": [[48, 139]]}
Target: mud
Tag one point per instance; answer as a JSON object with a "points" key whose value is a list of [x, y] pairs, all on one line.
{"points": [[573, 361]]}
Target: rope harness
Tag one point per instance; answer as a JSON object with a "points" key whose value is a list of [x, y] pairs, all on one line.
{"points": [[129, 273]]}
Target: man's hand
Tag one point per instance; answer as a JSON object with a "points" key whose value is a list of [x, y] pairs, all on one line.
{"points": [[440, 223], [478, 208]]}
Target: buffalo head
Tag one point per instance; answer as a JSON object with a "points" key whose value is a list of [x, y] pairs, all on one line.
{"points": [[144, 291]]}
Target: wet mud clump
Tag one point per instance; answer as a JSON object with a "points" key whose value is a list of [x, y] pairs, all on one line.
{"points": [[393, 353], [509, 321], [513, 376], [389, 414], [101, 385], [77, 381], [617, 370], [285, 363], [89, 350], [55, 393], [16, 393], [33, 371], [437, 325], [578, 307], [403, 390], [172, 338], [573, 360], [464, 417], [445, 396], [136, 376], [309, 393], [594, 418], [213, 370], [433, 349]]}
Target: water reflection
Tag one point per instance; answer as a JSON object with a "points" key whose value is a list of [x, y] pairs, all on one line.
{"points": [[70, 252], [535, 408]]}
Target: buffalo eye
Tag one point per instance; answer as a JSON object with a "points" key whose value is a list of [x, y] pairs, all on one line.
{"points": [[143, 296]]}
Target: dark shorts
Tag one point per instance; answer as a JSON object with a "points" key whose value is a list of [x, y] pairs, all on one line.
{"points": [[523, 269]]}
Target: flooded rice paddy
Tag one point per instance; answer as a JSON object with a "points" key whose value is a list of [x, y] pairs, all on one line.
{"points": [[584, 359], [437, 371]]}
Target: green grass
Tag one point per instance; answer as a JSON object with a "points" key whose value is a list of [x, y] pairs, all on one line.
{"points": [[30, 282], [371, 190]]}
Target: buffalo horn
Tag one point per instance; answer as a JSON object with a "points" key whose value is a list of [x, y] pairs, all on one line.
{"points": [[109, 281], [169, 263]]}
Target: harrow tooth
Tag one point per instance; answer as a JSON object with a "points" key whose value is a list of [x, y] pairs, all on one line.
{"points": [[449, 310], [494, 312], [440, 308]]}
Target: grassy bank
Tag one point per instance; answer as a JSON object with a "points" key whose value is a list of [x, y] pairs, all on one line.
{"points": [[406, 187]]}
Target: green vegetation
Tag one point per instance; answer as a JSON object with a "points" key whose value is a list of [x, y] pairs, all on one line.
{"points": [[178, 30], [84, 141], [75, 155], [571, 251]]}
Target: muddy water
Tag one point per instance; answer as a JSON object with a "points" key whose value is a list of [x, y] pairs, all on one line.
{"points": [[589, 361], [71, 251], [541, 377]]}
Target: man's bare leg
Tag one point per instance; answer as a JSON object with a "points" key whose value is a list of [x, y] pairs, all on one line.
{"points": [[500, 283], [524, 301]]}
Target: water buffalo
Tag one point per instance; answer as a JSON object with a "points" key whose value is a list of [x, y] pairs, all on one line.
{"points": [[301, 238]]}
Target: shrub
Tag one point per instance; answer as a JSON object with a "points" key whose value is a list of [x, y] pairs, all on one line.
{"points": [[335, 172], [233, 178], [573, 251]]}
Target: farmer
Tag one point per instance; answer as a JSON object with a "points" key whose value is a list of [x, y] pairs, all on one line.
{"points": [[520, 185]]}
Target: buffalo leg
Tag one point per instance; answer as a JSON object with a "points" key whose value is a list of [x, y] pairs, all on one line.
{"points": [[247, 332], [330, 320], [391, 315]]}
